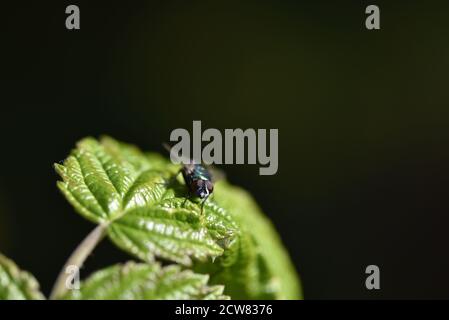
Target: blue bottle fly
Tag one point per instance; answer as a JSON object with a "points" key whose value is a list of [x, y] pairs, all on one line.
{"points": [[198, 179]]}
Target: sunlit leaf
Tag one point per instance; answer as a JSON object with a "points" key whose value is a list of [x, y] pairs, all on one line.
{"points": [[148, 211], [16, 284], [255, 265], [150, 214], [139, 281]]}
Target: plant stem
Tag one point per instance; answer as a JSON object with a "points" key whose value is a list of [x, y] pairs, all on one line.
{"points": [[77, 259]]}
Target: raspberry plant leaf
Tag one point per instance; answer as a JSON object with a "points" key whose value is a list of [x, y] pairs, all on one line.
{"points": [[256, 265], [145, 209], [140, 281], [16, 284], [147, 212]]}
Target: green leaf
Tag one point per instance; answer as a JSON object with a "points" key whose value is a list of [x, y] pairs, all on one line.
{"points": [[149, 213], [147, 210], [255, 265], [16, 284], [138, 281]]}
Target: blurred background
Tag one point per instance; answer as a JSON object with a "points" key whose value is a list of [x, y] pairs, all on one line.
{"points": [[362, 115]]}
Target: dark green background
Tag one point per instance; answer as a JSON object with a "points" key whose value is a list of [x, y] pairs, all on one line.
{"points": [[362, 115]]}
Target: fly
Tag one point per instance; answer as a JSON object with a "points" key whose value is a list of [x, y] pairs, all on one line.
{"points": [[198, 179]]}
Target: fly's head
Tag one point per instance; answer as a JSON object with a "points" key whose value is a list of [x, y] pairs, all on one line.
{"points": [[202, 188]]}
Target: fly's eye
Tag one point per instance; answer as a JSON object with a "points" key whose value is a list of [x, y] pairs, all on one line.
{"points": [[201, 188]]}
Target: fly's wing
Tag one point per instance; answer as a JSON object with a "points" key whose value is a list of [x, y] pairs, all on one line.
{"points": [[216, 174], [182, 160]]}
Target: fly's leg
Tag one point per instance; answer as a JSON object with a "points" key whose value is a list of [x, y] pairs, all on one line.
{"points": [[202, 204]]}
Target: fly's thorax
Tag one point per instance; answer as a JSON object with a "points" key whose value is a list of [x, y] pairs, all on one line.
{"points": [[200, 172]]}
